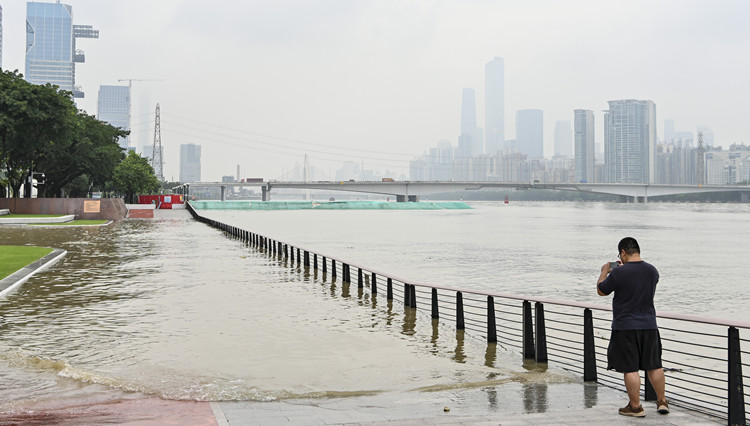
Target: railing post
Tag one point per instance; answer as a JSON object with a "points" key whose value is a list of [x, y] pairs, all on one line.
{"points": [[589, 348], [315, 261], [435, 313], [648, 389], [299, 258], [307, 259], [373, 284], [491, 325], [333, 268], [541, 334], [360, 281], [389, 289], [286, 250], [407, 295], [325, 265], [347, 278], [460, 325], [413, 298], [291, 257], [528, 332], [736, 397]]}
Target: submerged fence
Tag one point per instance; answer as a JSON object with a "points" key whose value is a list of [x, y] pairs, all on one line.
{"points": [[702, 357]]}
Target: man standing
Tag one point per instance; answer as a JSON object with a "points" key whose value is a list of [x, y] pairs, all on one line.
{"points": [[635, 343]]}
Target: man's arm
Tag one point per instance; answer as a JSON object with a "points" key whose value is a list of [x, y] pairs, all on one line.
{"points": [[603, 276]]}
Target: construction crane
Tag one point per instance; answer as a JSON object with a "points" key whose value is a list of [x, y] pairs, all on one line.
{"points": [[130, 98]]}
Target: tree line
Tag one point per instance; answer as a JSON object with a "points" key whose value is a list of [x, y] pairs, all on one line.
{"points": [[42, 132]]}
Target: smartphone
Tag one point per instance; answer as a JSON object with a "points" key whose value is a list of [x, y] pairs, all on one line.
{"points": [[613, 265]]}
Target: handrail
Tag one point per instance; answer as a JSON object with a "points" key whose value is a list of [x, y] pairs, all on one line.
{"points": [[575, 350]]}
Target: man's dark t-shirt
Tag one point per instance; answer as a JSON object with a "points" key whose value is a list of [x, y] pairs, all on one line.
{"points": [[634, 284]]}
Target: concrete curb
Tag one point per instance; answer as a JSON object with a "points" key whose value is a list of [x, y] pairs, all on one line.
{"points": [[27, 220], [19, 277]]}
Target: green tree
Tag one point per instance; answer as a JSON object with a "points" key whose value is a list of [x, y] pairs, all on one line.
{"points": [[31, 118], [134, 175]]}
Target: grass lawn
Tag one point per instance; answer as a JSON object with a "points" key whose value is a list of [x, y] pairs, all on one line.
{"points": [[75, 222], [13, 258]]}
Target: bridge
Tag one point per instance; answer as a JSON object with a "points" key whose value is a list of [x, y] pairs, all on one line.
{"points": [[412, 190]]}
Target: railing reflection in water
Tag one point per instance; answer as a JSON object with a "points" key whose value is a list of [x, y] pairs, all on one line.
{"points": [[702, 357]]}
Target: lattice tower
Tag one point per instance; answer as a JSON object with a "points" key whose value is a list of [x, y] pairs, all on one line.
{"points": [[157, 162]]}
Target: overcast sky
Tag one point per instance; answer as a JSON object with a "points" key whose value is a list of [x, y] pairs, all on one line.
{"points": [[262, 83]]}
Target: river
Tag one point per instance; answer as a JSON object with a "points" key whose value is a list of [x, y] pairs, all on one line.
{"points": [[175, 309]]}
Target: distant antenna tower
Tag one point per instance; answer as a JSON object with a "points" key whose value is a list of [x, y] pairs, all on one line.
{"points": [[157, 162], [701, 160]]}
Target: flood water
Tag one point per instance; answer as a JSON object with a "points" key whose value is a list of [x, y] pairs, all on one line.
{"points": [[175, 309]]}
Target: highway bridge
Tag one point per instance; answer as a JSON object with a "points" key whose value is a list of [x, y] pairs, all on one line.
{"points": [[412, 190]]}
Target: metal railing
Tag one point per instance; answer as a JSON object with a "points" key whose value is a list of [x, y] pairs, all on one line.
{"points": [[702, 357]]}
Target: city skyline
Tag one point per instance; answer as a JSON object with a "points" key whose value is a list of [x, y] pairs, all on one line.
{"points": [[380, 83]]}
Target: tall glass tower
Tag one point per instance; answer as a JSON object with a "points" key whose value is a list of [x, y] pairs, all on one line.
{"points": [[583, 125], [494, 106], [470, 140], [51, 52], [190, 163], [113, 106], [630, 141], [1, 37], [530, 132]]}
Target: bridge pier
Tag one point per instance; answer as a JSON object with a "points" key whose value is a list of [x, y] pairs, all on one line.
{"points": [[405, 198], [266, 196], [223, 193]]}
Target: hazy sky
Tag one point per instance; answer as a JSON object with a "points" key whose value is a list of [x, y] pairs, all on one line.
{"points": [[261, 83]]}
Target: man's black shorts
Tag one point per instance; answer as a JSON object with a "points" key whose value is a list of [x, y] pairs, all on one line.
{"points": [[634, 350]]}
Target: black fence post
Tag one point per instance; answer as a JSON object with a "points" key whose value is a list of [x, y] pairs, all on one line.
{"points": [[299, 258], [374, 284], [360, 281], [413, 298], [648, 389], [389, 289], [346, 278], [528, 332], [407, 295], [291, 257], [333, 268], [435, 313], [325, 265], [491, 324], [541, 334], [460, 325], [307, 259], [589, 348], [315, 261], [736, 397]]}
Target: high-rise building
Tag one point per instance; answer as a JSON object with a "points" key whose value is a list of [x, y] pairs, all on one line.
{"points": [[113, 106], [583, 120], [1, 37], [630, 141], [494, 106], [51, 52], [563, 139], [470, 140], [530, 132], [190, 163]]}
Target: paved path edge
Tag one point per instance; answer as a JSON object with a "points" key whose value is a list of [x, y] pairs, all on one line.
{"points": [[19, 277]]}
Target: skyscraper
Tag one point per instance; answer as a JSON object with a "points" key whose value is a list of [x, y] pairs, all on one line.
{"points": [[563, 139], [51, 52], [190, 163], [1, 37], [630, 141], [530, 132], [494, 106], [470, 140], [113, 106], [583, 123]]}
